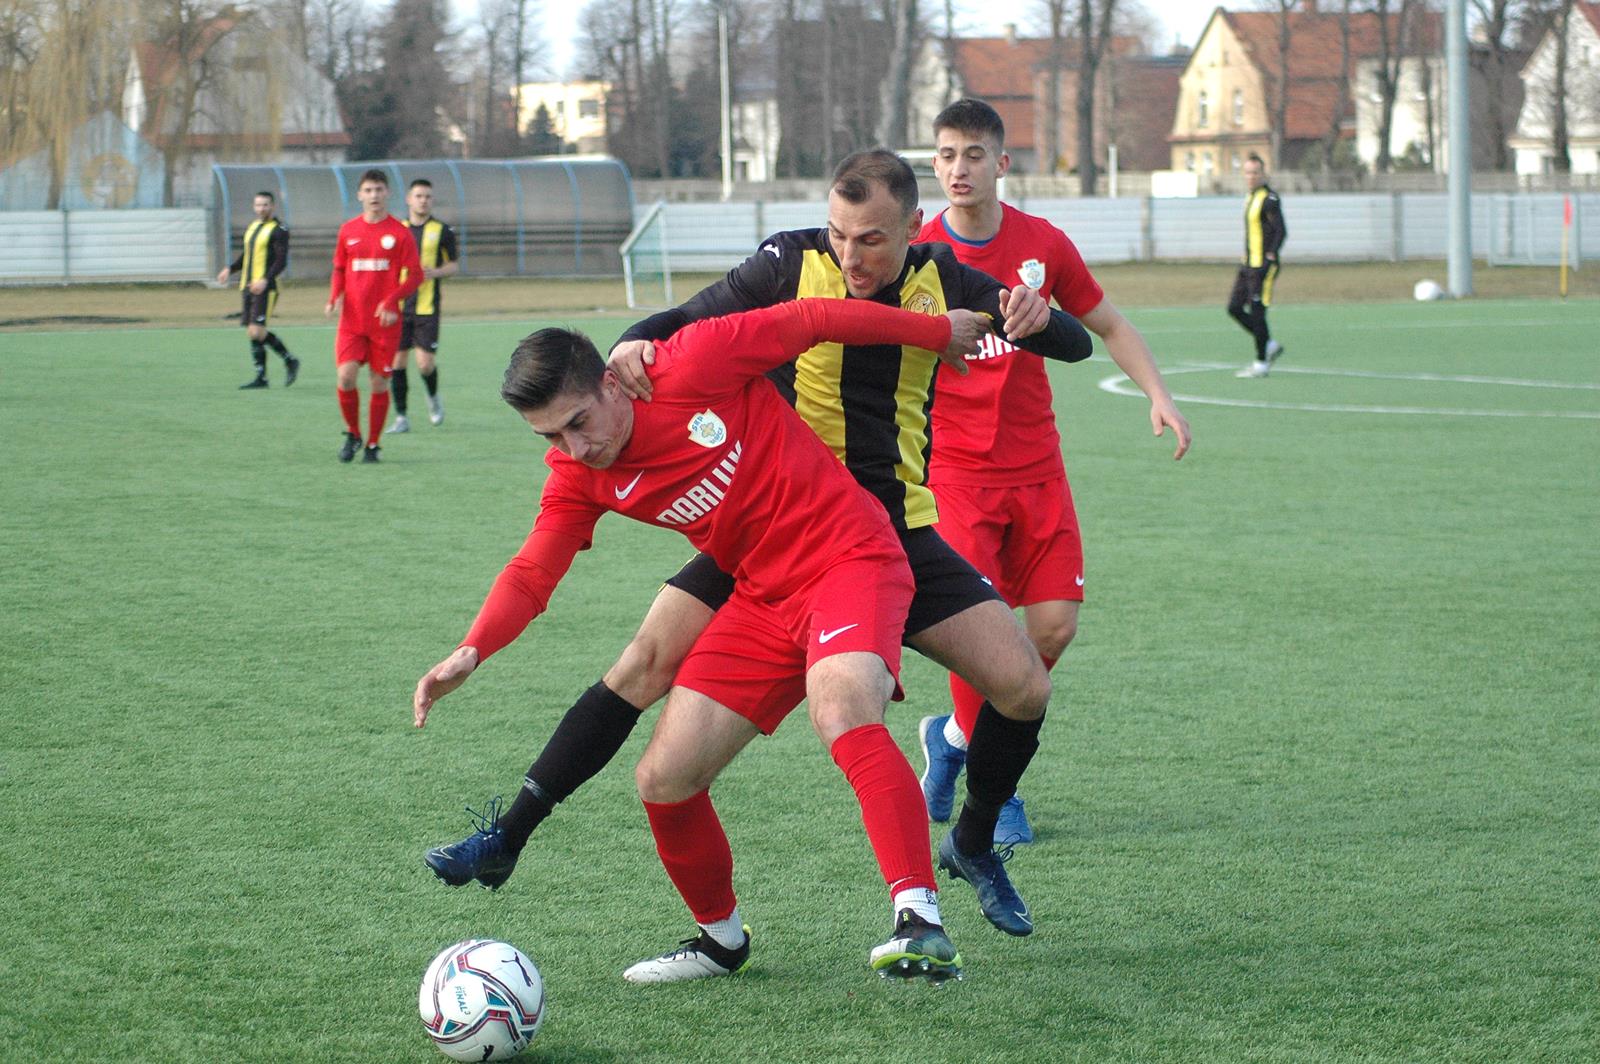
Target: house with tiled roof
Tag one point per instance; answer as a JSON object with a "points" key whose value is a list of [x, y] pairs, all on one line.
{"points": [[1229, 88], [230, 91], [1534, 140], [1133, 102]]}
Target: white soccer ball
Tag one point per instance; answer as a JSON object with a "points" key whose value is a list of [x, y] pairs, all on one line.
{"points": [[481, 1000], [1427, 290]]}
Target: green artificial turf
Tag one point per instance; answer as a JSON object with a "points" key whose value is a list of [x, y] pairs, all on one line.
{"points": [[1320, 780]]}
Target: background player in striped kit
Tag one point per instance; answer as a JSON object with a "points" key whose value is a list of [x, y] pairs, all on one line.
{"points": [[1252, 286], [263, 256], [419, 321]]}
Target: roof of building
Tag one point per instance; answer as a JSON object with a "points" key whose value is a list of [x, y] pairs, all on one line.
{"points": [[1315, 48]]}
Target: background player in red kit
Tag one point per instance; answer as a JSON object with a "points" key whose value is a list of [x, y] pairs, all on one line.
{"points": [[375, 267], [996, 468], [821, 591]]}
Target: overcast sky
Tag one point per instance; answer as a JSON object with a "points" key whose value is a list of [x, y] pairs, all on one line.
{"points": [[1183, 19]]}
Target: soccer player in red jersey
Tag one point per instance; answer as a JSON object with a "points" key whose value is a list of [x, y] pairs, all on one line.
{"points": [[375, 267], [821, 592], [996, 468]]}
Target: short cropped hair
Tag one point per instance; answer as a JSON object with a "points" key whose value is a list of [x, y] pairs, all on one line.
{"points": [[1254, 158], [549, 363], [267, 194], [374, 175], [971, 116], [424, 182], [855, 176]]}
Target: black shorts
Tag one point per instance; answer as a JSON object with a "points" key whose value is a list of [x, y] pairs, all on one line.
{"points": [[1253, 284], [946, 583], [419, 330], [257, 306]]}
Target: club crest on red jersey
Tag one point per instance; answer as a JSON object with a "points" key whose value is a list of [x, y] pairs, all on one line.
{"points": [[1032, 274], [387, 241], [707, 429]]}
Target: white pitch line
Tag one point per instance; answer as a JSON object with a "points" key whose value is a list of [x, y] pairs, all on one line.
{"points": [[1119, 384]]}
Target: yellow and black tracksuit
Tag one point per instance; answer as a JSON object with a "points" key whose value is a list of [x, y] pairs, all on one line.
{"points": [[1264, 233]]}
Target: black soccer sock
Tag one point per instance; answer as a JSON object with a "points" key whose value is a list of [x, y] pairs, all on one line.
{"points": [[588, 737], [272, 341], [399, 384], [258, 355], [431, 380], [997, 755], [1258, 330]]}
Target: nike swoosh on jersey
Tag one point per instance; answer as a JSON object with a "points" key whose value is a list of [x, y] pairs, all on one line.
{"points": [[623, 493], [823, 637]]}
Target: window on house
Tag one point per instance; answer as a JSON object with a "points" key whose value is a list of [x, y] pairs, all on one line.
{"points": [[1205, 163], [1238, 107], [588, 108], [1188, 161], [1203, 110], [1236, 164]]}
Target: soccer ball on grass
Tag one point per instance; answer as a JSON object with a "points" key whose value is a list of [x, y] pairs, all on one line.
{"points": [[481, 1000]]}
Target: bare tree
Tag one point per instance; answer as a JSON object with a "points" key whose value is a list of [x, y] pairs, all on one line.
{"points": [[187, 32], [62, 62], [1394, 32], [1094, 35], [1276, 85], [1560, 135], [895, 90], [1056, 22], [1341, 101], [1496, 20]]}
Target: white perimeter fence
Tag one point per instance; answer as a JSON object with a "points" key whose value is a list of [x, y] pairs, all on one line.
{"points": [[59, 247]]}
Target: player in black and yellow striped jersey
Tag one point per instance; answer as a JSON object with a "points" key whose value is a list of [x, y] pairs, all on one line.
{"points": [[419, 319], [871, 404], [1252, 287], [264, 255]]}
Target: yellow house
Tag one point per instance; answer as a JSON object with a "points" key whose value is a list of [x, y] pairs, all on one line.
{"points": [[1226, 93], [1222, 110]]}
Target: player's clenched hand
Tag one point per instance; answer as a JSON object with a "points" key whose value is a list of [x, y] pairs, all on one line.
{"points": [[259, 285], [1025, 312], [628, 361], [1166, 413], [386, 317], [333, 307], [440, 680], [967, 330], [222, 278]]}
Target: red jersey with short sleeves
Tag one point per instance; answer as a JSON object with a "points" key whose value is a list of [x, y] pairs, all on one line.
{"points": [[996, 427], [718, 455], [374, 264]]}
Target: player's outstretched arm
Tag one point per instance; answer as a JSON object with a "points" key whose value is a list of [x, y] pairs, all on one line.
{"points": [[1131, 353], [440, 680]]}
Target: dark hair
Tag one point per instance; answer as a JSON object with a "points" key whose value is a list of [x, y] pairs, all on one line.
{"points": [[549, 363], [971, 116], [267, 194], [855, 177], [424, 182], [1254, 158], [374, 175]]}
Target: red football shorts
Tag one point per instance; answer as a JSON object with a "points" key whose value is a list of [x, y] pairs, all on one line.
{"points": [[1023, 538], [376, 350], [754, 655]]}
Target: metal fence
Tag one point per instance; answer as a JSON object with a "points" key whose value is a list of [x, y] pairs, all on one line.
{"points": [[181, 244], [1507, 229]]}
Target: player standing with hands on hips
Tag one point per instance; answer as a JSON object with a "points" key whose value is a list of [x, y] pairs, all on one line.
{"points": [[375, 267]]}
